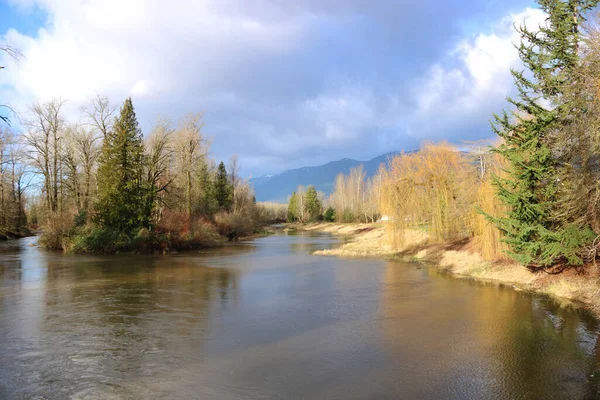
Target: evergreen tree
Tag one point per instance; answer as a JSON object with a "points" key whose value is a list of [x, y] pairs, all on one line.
{"points": [[121, 188], [208, 202], [329, 215], [551, 56], [312, 203], [293, 214], [222, 189]]}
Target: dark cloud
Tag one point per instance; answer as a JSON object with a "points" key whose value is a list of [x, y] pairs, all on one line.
{"points": [[294, 82]]}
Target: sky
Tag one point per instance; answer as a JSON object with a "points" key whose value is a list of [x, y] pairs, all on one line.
{"points": [[282, 83]]}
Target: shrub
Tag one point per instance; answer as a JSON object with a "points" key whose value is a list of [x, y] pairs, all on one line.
{"points": [[233, 225], [94, 239], [57, 231], [329, 215]]}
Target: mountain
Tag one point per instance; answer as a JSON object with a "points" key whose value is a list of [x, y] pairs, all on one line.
{"points": [[278, 187]]}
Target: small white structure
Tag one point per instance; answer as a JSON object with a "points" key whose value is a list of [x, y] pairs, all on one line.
{"points": [[385, 218]]}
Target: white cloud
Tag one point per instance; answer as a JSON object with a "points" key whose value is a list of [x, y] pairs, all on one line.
{"points": [[140, 47], [478, 78], [252, 67]]}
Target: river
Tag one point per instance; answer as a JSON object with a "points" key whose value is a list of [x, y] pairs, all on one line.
{"points": [[267, 320]]}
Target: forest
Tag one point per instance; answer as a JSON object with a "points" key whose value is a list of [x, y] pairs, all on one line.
{"points": [[99, 185], [534, 194]]}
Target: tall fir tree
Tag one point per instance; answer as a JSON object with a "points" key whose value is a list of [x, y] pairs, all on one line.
{"points": [[551, 55], [313, 203], [122, 191], [222, 188], [293, 205]]}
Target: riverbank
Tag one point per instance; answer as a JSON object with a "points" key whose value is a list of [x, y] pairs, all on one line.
{"points": [[11, 235], [462, 260]]}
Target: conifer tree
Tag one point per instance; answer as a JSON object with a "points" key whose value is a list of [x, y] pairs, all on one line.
{"points": [[550, 55], [121, 187], [293, 214], [222, 189], [207, 196], [313, 203]]}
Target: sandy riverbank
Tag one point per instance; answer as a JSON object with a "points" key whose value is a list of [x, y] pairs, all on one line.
{"points": [[371, 240]]}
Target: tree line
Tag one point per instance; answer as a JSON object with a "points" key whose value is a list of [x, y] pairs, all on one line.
{"points": [[100, 185]]}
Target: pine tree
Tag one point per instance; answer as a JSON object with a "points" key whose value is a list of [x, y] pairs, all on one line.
{"points": [[121, 188], [312, 203], [293, 215], [222, 189], [551, 56]]}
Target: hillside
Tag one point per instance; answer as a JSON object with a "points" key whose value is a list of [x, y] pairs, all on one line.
{"points": [[279, 187]]}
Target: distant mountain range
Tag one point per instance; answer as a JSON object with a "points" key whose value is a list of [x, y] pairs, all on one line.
{"points": [[278, 187]]}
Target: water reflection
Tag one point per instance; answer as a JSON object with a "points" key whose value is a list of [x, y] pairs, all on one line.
{"points": [[267, 320], [485, 340]]}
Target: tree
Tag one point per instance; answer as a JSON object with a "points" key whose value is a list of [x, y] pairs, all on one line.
{"points": [[222, 188], [44, 137], [15, 54], [234, 167], [99, 114], [190, 150], [121, 188], [529, 191], [293, 204], [159, 156], [329, 215], [208, 202], [313, 203]]}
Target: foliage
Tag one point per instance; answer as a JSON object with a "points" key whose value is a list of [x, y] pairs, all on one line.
{"points": [[121, 190], [271, 212], [312, 204], [293, 208], [305, 205], [329, 215], [222, 189], [529, 190], [430, 189], [233, 225]]}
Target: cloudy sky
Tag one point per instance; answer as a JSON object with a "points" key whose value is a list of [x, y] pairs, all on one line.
{"points": [[282, 83]]}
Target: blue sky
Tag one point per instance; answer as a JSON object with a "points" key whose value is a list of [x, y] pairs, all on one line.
{"points": [[282, 83]]}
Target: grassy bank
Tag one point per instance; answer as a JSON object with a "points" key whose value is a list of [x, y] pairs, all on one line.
{"points": [[460, 259]]}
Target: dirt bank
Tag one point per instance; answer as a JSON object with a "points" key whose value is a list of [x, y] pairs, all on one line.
{"points": [[461, 259]]}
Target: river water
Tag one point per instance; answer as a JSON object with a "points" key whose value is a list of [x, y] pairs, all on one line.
{"points": [[266, 320]]}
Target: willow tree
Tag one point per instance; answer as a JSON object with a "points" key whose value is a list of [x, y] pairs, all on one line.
{"points": [[550, 55], [122, 191]]}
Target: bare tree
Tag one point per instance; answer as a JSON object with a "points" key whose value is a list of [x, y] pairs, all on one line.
{"points": [[234, 168], [16, 55], [160, 154], [80, 154], [190, 149], [45, 131], [99, 114]]}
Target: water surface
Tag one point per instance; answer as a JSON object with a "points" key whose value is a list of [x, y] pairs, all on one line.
{"points": [[266, 320]]}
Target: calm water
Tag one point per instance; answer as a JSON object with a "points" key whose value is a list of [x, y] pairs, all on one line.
{"points": [[266, 320]]}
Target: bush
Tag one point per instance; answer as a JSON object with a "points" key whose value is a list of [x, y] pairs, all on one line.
{"points": [[234, 225], [329, 215], [94, 239], [57, 231], [203, 235]]}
